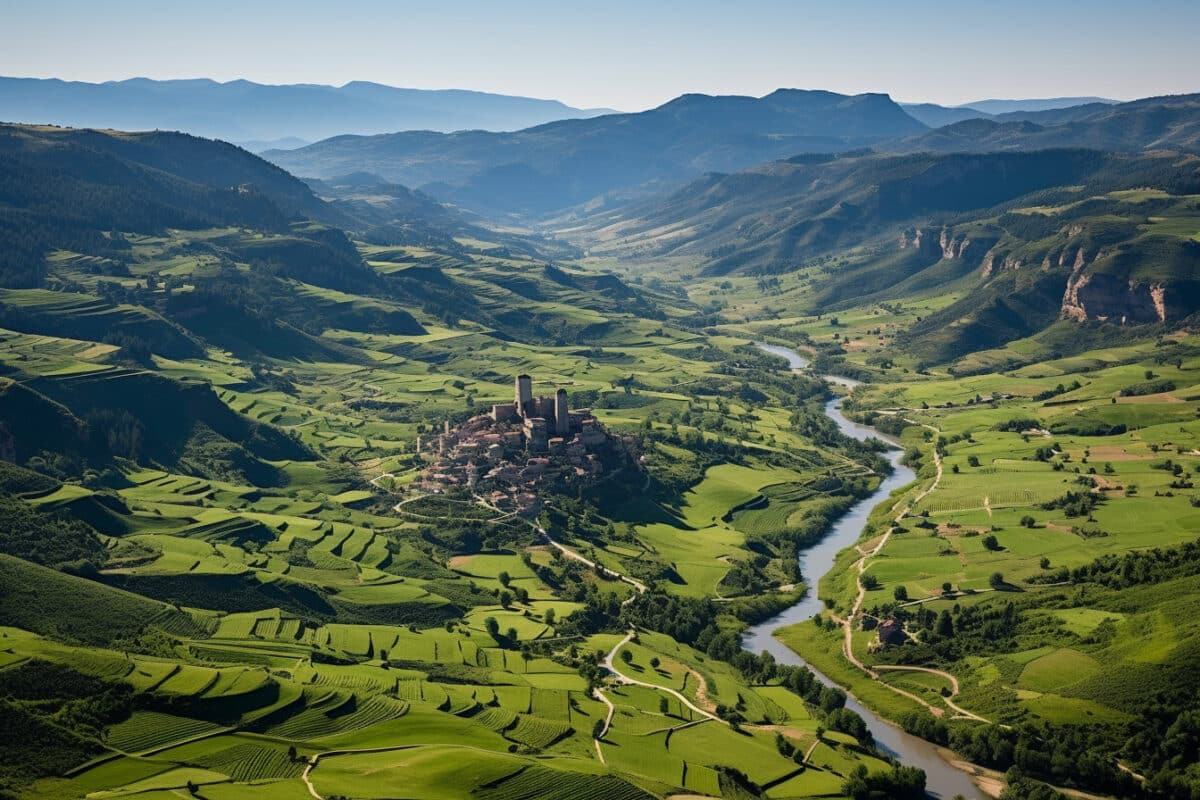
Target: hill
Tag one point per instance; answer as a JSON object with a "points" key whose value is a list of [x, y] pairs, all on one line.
{"points": [[1032, 104], [935, 116], [66, 187], [242, 111], [562, 164], [1025, 237], [1153, 123], [1050, 111]]}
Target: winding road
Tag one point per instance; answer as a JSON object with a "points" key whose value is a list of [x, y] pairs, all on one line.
{"points": [[608, 663]]}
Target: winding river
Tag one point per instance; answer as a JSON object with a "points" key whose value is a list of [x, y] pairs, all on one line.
{"points": [[942, 779]]}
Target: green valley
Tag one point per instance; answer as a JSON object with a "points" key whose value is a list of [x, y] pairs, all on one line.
{"points": [[580, 470]]}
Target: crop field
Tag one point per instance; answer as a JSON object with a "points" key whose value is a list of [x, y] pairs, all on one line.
{"points": [[274, 586], [148, 730], [538, 783], [1065, 470], [253, 762]]}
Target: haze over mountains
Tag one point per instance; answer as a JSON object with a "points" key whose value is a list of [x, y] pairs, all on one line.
{"points": [[259, 115], [554, 166], [935, 115], [599, 162]]}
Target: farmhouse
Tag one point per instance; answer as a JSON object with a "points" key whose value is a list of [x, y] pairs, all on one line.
{"points": [[891, 632]]}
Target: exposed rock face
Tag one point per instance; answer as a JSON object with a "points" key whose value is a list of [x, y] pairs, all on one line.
{"points": [[989, 263], [1158, 295], [1105, 297], [1007, 262], [1072, 306], [952, 247], [922, 241]]}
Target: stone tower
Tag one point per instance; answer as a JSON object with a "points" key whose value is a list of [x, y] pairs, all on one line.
{"points": [[523, 395], [562, 416]]}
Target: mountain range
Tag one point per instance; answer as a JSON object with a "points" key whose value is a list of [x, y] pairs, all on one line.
{"points": [[554, 166], [595, 164], [935, 116], [260, 115], [1152, 123]]}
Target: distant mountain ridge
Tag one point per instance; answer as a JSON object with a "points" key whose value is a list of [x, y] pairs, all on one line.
{"points": [[551, 167], [935, 115], [244, 111], [994, 106], [1171, 122]]}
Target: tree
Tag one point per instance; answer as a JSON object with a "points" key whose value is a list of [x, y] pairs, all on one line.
{"points": [[1028, 521], [505, 578], [492, 627], [900, 593], [506, 598], [663, 705], [996, 581], [549, 616], [870, 582], [973, 461], [627, 656], [654, 662], [1044, 563], [945, 625], [991, 542], [947, 587]]}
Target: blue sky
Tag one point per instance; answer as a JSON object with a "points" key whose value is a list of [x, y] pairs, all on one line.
{"points": [[623, 54]]}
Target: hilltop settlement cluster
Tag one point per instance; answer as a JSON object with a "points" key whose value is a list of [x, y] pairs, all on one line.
{"points": [[516, 446]]}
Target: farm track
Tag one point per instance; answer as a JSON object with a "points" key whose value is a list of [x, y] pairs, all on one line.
{"points": [[625, 679], [612, 710], [855, 612]]}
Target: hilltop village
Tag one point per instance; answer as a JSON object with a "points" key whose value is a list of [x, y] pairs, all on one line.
{"points": [[507, 454]]}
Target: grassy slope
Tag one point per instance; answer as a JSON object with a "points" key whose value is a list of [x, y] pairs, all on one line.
{"points": [[295, 566]]}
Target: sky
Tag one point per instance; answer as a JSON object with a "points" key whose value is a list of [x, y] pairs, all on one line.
{"points": [[624, 54]]}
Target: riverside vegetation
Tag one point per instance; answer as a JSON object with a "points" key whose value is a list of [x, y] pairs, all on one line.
{"points": [[219, 580]]}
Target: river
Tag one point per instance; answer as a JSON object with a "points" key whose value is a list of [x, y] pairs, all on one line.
{"points": [[942, 779]]}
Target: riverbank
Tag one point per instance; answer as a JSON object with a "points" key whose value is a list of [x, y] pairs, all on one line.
{"points": [[945, 777]]}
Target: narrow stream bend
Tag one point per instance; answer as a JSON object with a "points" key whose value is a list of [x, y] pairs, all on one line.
{"points": [[942, 779]]}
